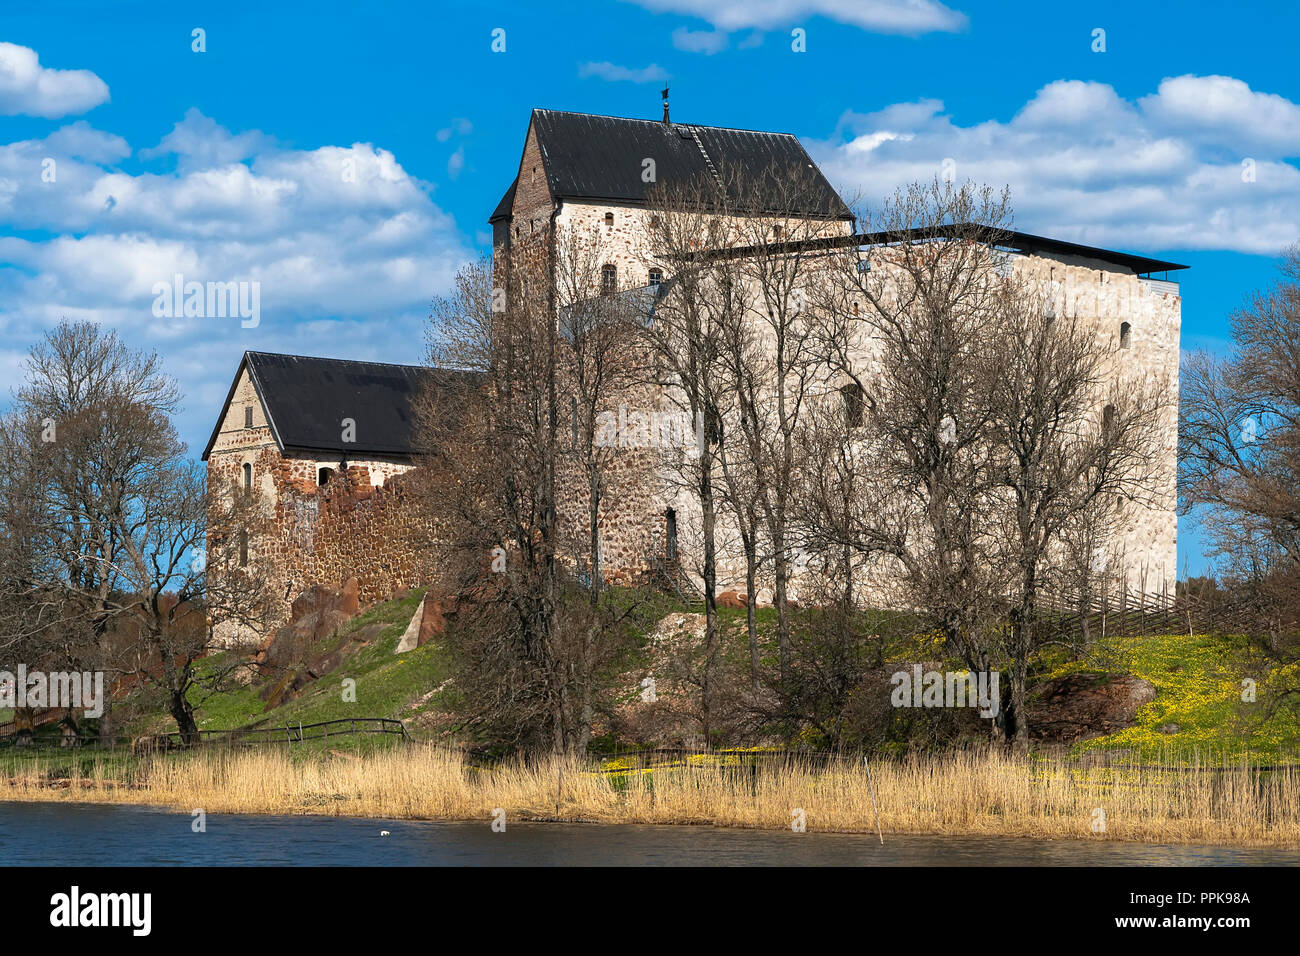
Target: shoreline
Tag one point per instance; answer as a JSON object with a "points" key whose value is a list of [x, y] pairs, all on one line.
{"points": [[686, 825], [960, 795]]}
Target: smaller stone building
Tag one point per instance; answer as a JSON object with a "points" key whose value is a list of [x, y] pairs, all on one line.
{"points": [[324, 443]]}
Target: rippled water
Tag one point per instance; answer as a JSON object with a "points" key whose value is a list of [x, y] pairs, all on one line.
{"points": [[94, 835]]}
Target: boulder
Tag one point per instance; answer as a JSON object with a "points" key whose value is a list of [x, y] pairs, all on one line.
{"points": [[1078, 706], [315, 616]]}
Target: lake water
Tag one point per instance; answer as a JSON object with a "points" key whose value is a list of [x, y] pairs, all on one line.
{"points": [[54, 834]]}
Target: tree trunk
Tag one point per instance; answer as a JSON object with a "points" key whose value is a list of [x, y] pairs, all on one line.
{"points": [[182, 712], [751, 610], [780, 601], [709, 525]]}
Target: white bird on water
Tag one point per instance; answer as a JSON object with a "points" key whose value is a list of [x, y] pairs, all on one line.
{"points": [[383, 833]]}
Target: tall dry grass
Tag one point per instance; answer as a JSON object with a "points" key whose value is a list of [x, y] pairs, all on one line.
{"points": [[987, 793]]}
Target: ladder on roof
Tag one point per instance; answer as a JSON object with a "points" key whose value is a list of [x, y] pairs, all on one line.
{"points": [[708, 160]]}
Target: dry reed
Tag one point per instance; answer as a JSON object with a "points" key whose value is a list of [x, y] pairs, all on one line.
{"points": [[987, 793]]}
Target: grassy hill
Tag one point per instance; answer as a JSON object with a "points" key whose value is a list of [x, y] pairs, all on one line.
{"points": [[402, 686], [1198, 680]]}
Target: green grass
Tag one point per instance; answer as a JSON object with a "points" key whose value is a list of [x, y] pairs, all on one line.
{"points": [[386, 684], [1198, 681]]}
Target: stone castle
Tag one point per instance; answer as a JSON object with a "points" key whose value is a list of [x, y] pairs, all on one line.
{"points": [[324, 442]]}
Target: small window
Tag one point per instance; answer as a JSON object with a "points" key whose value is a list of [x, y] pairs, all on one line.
{"points": [[609, 220], [1108, 418], [243, 549], [654, 222], [656, 276], [608, 279], [248, 416], [574, 411], [248, 477], [323, 475], [670, 535], [776, 231], [1125, 335], [852, 397], [855, 308]]}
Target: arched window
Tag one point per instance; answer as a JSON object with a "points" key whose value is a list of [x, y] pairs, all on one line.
{"points": [[243, 549], [608, 279], [656, 276], [323, 475], [248, 477], [1108, 418], [1125, 335], [609, 220], [851, 395]]}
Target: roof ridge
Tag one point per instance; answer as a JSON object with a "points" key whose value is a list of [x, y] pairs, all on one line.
{"points": [[330, 358], [655, 122]]}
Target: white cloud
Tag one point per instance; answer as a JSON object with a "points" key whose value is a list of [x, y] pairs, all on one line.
{"points": [[707, 42], [609, 71], [198, 142], [1085, 164], [1227, 112], [29, 89], [341, 239], [907, 17]]}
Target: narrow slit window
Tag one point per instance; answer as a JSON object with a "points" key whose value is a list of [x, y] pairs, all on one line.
{"points": [[248, 416], [608, 279], [248, 477], [1125, 335], [609, 220], [851, 395]]}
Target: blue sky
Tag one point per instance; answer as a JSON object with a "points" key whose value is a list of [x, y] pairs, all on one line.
{"points": [[225, 164]]}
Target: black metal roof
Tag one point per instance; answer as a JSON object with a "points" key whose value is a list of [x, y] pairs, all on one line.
{"points": [[1032, 245], [306, 400], [506, 204], [602, 157], [1022, 242]]}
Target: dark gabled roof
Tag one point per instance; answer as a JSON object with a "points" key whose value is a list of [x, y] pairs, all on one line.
{"points": [[601, 158], [306, 400], [507, 203]]}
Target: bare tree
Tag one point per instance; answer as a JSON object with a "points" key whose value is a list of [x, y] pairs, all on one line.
{"points": [[1239, 451], [1072, 438], [911, 325], [532, 664], [774, 359], [120, 514], [684, 221]]}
